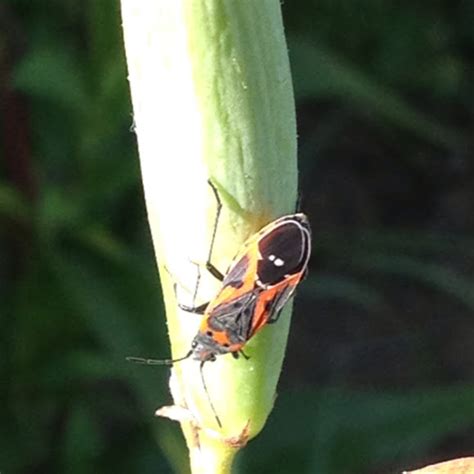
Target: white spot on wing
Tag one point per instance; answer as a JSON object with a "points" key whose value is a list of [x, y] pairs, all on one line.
{"points": [[278, 262]]}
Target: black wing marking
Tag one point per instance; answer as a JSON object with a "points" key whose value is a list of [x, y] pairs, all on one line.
{"points": [[284, 251]]}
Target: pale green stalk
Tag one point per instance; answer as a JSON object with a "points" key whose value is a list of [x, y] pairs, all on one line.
{"points": [[212, 97]]}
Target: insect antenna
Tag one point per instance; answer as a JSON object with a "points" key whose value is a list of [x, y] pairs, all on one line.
{"points": [[142, 360], [201, 365]]}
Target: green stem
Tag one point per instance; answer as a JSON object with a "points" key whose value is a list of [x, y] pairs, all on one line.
{"points": [[212, 97]]}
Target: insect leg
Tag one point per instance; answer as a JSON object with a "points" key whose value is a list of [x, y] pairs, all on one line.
{"points": [[209, 265], [245, 356], [201, 309], [236, 354]]}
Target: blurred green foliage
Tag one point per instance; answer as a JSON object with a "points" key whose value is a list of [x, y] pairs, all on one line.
{"points": [[379, 370]]}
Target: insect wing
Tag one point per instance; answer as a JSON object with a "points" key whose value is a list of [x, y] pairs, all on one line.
{"points": [[259, 282], [284, 249], [231, 321], [241, 274]]}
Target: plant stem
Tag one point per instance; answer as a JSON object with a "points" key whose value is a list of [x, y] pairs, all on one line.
{"points": [[212, 97]]}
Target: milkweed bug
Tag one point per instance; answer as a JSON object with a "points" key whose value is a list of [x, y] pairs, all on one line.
{"points": [[259, 281]]}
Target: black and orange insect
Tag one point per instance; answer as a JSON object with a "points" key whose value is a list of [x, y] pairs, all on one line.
{"points": [[259, 281]]}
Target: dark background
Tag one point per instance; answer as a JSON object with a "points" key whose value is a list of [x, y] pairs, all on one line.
{"points": [[378, 375]]}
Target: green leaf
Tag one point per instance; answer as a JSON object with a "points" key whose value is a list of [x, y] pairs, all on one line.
{"points": [[433, 274], [339, 287], [352, 432], [82, 441], [320, 73], [53, 73], [12, 204]]}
